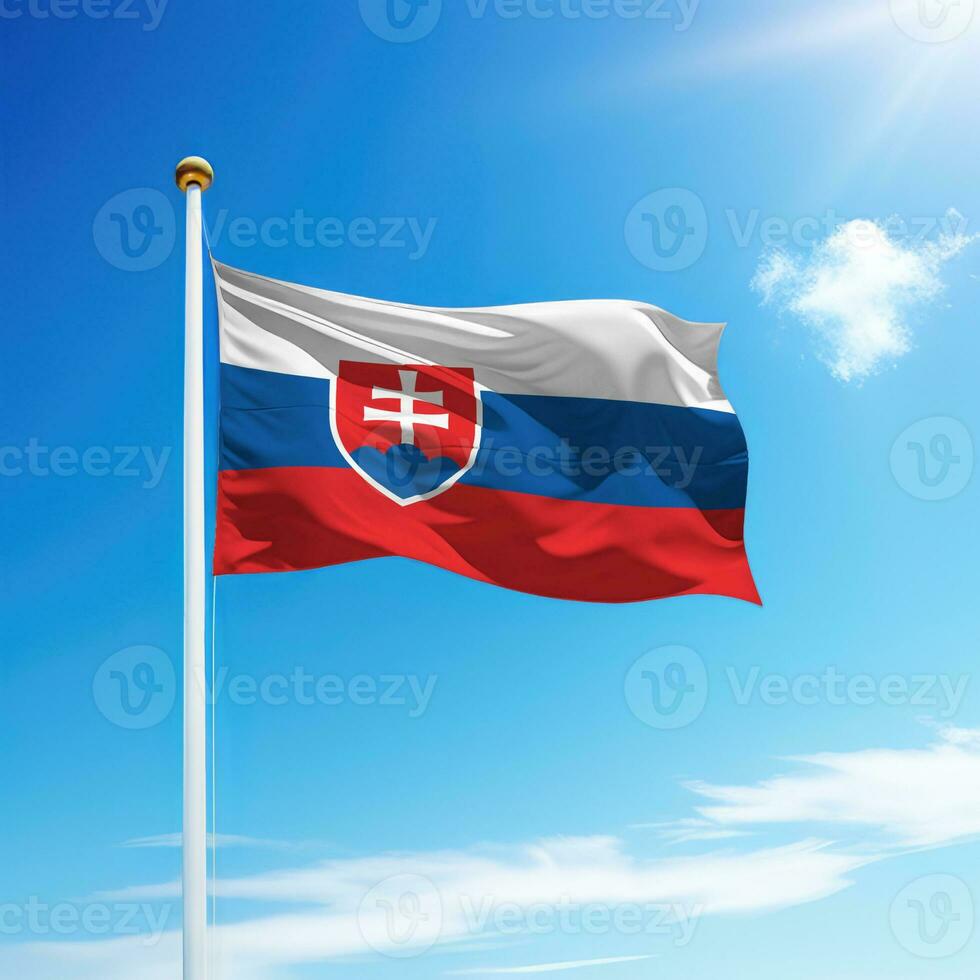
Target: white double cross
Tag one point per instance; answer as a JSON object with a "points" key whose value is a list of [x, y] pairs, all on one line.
{"points": [[406, 416]]}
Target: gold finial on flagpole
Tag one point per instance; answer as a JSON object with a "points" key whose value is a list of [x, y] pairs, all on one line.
{"points": [[194, 170]]}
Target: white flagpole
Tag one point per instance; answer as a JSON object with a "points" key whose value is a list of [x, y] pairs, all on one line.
{"points": [[194, 175]]}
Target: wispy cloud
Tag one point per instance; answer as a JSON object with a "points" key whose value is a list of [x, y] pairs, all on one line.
{"points": [[546, 967], [689, 830], [893, 799], [856, 289], [475, 891], [914, 797], [550, 872]]}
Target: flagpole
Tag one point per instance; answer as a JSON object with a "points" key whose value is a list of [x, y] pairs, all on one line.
{"points": [[194, 175]]}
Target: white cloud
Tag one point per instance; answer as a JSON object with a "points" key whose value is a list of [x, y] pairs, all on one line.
{"points": [[547, 967], [689, 829], [584, 871], [915, 797], [328, 920], [897, 798], [856, 289], [961, 736]]}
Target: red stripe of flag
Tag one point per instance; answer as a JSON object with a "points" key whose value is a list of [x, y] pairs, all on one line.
{"points": [[288, 519]]}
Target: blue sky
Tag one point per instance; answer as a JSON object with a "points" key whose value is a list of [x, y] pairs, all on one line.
{"points": [[491, 760]]}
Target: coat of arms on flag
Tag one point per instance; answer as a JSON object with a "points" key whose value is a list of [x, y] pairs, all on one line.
{"points": [[411, 430]]}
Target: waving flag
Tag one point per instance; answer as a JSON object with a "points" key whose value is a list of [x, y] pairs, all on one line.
{"points": [[581, 450]]}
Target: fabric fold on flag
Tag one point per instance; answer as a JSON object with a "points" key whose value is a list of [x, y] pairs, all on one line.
{"points": [[580, 450]]}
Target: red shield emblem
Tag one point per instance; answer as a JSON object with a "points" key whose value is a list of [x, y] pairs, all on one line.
{"points": [[411, 430]]}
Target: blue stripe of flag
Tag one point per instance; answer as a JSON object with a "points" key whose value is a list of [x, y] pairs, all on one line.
{"points": [[588, 449]]}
